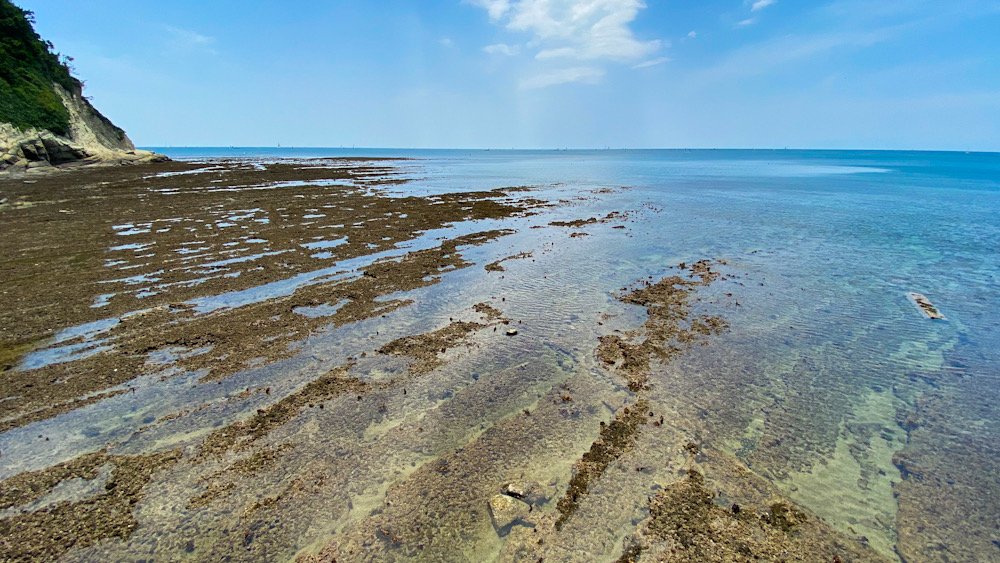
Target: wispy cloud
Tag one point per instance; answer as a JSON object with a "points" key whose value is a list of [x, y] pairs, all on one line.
{"points": [[761, 4], [573, 32], [652, 62], [587, 75], [746, 22], [781, 52], [581, 29], [496, 8], [502, 49], [446, 42], [187, 40], [692, 34]]}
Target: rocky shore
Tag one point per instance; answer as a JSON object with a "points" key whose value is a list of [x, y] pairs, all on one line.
{"points": [[91, 140], [308, 359]]}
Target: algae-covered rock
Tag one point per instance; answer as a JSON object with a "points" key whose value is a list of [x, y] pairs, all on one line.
{"points": [[506, 511]]}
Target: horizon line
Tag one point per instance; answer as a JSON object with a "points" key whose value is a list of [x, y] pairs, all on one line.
{"points": [[565, 149]]}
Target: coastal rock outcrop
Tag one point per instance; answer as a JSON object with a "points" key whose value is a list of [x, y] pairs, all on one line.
{"points": [[45, 120], [91, 139]]}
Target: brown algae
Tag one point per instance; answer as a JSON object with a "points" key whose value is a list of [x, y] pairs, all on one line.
{"points": [[615, 440], [665, 333], [196, 230], [50, 532], [242, 434], [686, 524], [496, 265], [389, 475]]}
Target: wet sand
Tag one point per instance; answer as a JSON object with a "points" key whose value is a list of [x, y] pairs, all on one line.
{"points": [[262, 376]]}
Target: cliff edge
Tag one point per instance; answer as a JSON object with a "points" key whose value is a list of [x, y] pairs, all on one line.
{"points": [[45, 121]]}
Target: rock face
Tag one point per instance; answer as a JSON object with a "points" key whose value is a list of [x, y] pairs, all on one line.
{"points": [[92, 139]]}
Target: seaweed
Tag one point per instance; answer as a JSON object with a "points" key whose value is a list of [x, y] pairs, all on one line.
{"points": [[50, 532], [665, 332], [615, 439]]}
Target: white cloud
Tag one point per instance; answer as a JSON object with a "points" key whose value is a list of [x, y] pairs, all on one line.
{"points": [[570, 38], [502, 49], [587, 75], [746, 22], [652, 62], [692, 34], [584, 30], [496, 8], [761, 4], [186, 40], [446, 42]]}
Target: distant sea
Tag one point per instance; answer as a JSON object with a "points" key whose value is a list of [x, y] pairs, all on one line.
{"points": [[883, 422]]}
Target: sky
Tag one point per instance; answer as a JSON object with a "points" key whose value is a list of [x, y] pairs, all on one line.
{"points": [[841, 74]]}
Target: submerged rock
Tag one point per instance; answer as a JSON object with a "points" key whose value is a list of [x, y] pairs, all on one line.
{"points": [[506, 511], [925, 306], [526, 490]]}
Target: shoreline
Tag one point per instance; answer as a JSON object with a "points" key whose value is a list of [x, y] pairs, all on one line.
{"points": [[347, 389]]}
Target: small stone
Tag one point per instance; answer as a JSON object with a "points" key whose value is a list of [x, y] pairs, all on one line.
{"points": [[526, 490], [511, 332], [505, 511]]}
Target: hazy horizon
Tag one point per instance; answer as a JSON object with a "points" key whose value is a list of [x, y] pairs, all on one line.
{"points": [[560, 149]]}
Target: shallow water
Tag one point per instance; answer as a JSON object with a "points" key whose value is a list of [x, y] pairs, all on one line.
{"points": [[830, 383]]}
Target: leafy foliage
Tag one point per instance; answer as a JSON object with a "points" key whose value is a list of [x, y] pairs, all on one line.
{"points": [[28, 70]]}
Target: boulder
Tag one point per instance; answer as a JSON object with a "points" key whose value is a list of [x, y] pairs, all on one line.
{"points": [[33, 150], [526, 490], [506, 511]]}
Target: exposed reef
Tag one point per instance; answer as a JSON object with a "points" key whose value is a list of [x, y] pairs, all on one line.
{"points": [[49, 532], [667, 330], [152, 278]]}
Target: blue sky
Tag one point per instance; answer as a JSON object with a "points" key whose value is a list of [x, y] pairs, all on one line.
{"points": [[893, 74]]}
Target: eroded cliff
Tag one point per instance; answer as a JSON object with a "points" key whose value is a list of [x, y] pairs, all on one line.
{"points": [[45, 121]]}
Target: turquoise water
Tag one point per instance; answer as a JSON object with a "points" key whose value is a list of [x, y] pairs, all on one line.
{"points": [[830, 383]]}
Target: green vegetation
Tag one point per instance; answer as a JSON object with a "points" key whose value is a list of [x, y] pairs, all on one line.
{"points": [[28, 70]]}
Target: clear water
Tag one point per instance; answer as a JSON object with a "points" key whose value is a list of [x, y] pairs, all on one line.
{"points": [[830, 383]]}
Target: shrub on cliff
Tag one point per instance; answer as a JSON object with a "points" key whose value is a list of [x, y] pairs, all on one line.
{"points": [[28, 70]]}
